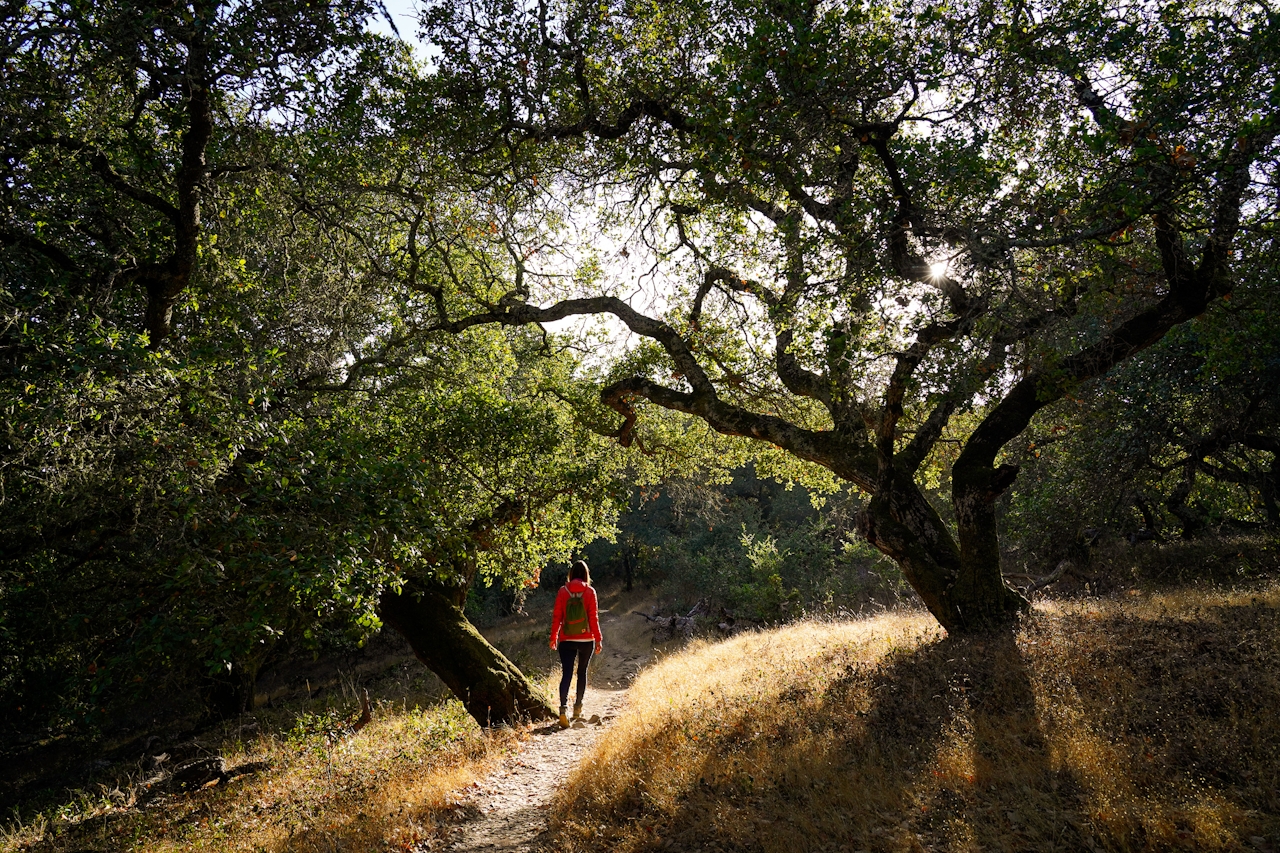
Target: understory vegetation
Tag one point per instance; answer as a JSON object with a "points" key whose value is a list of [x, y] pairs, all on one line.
{"points": [[756, 547], [760, 551], [322, 782], [1135, 719]]}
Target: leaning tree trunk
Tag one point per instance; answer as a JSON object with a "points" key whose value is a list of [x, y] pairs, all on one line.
{"points": [[491, 687]]}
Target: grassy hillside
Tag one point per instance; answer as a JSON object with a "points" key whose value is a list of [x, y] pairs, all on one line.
{"points": [[1143, 722], [394, 784], [399, 783], [1135, 722]]}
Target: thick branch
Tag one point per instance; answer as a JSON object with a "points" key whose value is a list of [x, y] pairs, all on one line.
{"points": [[590, 124], [794, 376], [913, 455], [1265, 443], [522, 314], [14, 237], [850, 460], [903, 258], [1226, 215], [846, 458], [163, 289], [102, 167], [1189, 295]]}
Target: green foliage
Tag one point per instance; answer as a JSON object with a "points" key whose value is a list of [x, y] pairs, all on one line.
{"points": [[270, 294], [861, 230], [339, 496], [752, 545], [1178, 441], [175, 514]]}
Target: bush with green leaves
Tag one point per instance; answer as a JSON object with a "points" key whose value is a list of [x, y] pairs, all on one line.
{"points": [[763, 550], [1182, 440]]}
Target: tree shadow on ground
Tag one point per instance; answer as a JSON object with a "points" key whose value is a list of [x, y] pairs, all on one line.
{"points": [[941, 741], [1088, 731], [1166, 714]]}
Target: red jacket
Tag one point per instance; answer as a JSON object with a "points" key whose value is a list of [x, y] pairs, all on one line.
{"points": [[562, 601]]}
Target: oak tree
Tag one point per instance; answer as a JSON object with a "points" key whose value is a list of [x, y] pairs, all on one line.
{"points": [[882, 237], [222, 439]]}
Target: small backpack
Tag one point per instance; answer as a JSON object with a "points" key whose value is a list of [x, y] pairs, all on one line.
{"points": [[575, 616]]}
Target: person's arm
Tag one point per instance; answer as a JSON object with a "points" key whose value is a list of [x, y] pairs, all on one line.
{"points": [[592, 619], [557, 617]]}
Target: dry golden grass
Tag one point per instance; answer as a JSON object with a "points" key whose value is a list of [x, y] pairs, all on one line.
{"points": [[1135, 723], [394, 785], [389, 786]]}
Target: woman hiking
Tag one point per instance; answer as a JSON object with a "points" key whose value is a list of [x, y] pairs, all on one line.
{"points": [[575, 633]]}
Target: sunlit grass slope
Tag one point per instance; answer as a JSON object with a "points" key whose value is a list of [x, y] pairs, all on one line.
{"points": [[391, 786], [1140, 723]]}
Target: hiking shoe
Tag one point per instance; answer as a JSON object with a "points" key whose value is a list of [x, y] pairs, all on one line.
{"points": [[564, 718], [577, 710]]}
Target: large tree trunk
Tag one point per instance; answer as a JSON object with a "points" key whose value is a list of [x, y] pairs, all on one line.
{"points": [[1149, 519], [228, 694], [980, 593], [491, 687], [967, 596], [1268, 482], [1191, 521]]}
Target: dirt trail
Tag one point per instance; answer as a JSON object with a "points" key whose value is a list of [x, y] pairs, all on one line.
{"points": [[512, 801]]}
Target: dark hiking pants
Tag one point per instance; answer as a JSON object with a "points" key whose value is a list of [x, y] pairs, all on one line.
{"points": [[571, 650]]}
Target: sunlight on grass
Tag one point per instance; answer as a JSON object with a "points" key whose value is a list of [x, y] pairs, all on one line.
{"points": [[1139, 723]]}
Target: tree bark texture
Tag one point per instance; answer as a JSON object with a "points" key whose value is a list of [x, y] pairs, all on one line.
{"points": [[965, 596], [493, 690], [1269, 478], [1191, 521]]}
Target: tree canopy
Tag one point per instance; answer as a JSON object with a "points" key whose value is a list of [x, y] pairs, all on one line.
{"points": [[284, 308], [876, 235], [224, 435]]}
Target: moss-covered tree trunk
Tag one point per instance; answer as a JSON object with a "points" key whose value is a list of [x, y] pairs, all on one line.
{"points": [[491, 687]]}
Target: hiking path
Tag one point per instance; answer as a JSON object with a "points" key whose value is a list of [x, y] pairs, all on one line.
{"points": [[510, 805]]}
